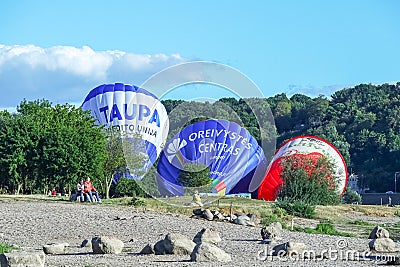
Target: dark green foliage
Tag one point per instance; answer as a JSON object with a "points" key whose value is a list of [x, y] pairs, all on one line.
{"points": [[297, 208], [278, 215], [196, 176], [127, 187], [44, 147], [326, 228], [268, 219], [135, 201], [351, 196], [5, 248]]}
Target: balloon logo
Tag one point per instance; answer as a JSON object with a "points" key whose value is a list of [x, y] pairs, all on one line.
{"points": [[133, 112]]}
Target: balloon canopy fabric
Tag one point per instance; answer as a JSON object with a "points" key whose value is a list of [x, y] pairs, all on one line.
{"points": [[132, 111], [301, 148], [227, 149]]}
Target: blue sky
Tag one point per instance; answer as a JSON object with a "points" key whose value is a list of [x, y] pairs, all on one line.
{"points": [[59, 50]]}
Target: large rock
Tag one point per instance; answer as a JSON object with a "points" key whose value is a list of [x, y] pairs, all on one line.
{"points": [[148, 249], [205, 252], [379, 232], [289, 249], [198, 211], [253, 218], [383, 245], [107, 245], [159, 248], [207, 235], [86, 243], [178, 244], [54, 248], [22, 258], [207, 214], [272, 232], [243, 220]]}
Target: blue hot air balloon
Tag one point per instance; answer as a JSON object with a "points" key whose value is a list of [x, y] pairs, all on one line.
{"points": [[134, 112], [227, 149]]}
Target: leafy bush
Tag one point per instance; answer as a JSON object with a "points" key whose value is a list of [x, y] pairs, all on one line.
{"points": [[268, 219], [194, 176], [128, 188], [307, 181], [297, 208], [280, 212], [135, 201], [5, 248], [351, 196], [326, 228]]}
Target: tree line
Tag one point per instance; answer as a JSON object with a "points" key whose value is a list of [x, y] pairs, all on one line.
{"points": [[363, 122], [44, 146]]}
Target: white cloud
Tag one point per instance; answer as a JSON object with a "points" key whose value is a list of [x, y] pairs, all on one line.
{"points": [[66, 74]]}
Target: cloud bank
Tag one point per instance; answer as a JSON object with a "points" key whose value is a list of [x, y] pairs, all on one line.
{"points": [[65, 74]]}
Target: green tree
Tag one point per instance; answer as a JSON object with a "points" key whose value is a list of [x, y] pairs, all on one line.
{"points": [[42, 147], [195, 177], [124, 155]]}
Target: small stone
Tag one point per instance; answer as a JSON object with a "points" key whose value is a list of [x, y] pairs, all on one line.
{"points": [[383, 245], [208, 215], [22, 258], [379, 232], [205, 252], [54, 248], [86, 243], [148, 249], [107, 245], [207, 235]]}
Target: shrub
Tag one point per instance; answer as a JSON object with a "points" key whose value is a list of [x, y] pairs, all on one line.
{"points": [[135, 201], [194, 176], [268, 219], [297, 208], [351, 196], [127, 187], [326, 228], [5, 248], [308, 181]]}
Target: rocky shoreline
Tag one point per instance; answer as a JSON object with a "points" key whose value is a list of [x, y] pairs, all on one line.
{"points": [[31, 225]]}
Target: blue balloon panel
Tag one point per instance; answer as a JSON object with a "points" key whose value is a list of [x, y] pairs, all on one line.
{"points": [[226, 148]]}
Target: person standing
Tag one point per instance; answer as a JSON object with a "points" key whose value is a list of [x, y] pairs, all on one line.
{"points": [[91, 190]]}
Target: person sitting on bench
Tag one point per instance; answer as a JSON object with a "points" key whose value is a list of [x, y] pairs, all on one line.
{"points": [[89, 188]]}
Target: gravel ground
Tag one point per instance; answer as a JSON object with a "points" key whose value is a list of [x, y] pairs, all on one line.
{"points": [[30, 225]]}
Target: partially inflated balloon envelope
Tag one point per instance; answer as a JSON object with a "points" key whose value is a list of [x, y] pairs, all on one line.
{"points": [[300, 148], [227, 149], [132, 111]]}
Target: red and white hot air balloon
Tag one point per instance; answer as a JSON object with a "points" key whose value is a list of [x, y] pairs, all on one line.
{"points": [[301, 148]]}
